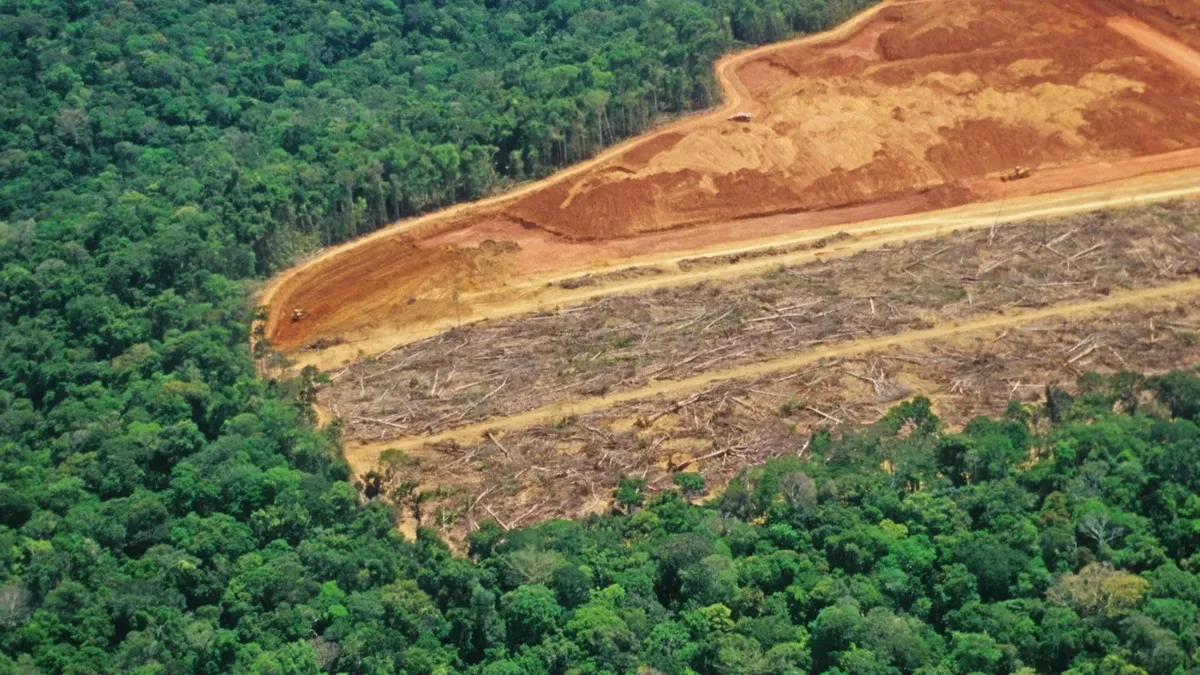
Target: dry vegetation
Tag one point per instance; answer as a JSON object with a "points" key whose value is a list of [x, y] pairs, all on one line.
{"points": [[569, 468], [623, 342]]}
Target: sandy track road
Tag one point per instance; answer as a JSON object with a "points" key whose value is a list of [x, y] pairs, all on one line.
{"points": [[1174, 51], [1162, 296]]}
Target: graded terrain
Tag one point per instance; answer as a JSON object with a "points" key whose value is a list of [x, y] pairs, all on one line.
{"points": [[909, 108]]}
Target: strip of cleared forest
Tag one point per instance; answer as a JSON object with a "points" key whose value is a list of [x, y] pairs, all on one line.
{"points": [[622, 342], [568, 467]]}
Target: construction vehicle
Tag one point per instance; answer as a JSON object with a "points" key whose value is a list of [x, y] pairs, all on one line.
{"points": [[741, 117], [298, 315], [1017, 173]]}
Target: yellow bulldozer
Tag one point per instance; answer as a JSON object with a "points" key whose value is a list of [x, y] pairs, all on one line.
{"points": [[1017, 173], [298, 315]]}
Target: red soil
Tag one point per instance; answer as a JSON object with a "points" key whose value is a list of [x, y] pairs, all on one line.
{"points": [[919, 107], [930, 94], [1178, 19]]}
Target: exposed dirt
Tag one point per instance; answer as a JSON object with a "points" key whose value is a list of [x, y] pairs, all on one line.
{"points": [[434, 275], [555, 290], [1177, 53], [930, 94], [912, 107], [1179, 19]]}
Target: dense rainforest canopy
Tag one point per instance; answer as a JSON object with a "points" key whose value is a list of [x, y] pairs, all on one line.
{"points": [[279, 126], [1061, 537], [162, 510]]}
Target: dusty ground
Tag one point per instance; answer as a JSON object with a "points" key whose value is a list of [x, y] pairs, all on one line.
{"points": [[930, 95], [1179, 19], [916, 106]]}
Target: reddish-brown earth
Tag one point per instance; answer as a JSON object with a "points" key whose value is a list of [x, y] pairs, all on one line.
{"points": [[915, 106], [1178, 19]]}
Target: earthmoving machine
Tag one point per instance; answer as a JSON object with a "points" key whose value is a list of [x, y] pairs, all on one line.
{"points": [[1017, 173], [298, 315]]}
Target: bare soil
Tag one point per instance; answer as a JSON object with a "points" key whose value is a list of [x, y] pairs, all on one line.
{"points": [[930, 94], [1178, 19]]}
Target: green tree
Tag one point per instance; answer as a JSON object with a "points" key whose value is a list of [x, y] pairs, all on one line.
{"points": [[690, 484], [630, 493], [530, 612], [975, 653]]}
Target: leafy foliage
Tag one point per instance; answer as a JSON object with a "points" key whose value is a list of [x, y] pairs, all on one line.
{"points": [[162, 510], [229, 136], [1051, 540]]}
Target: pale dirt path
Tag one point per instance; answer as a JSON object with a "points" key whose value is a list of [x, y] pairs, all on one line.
{"points": [[735, 96], [535, 293], [1151, 40], [364, 457]]}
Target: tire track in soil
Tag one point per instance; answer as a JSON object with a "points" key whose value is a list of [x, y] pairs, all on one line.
{"points": [[1162, 295], [1151, 40]]}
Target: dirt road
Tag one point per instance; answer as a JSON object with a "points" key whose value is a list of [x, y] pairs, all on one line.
{"points": [[1172, 50], [895, 113]]}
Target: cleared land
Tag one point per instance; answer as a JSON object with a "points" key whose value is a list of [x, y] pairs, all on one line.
{"points": [[566, 466], [911, 107], [710, 295], [1179, 19], [624, 342], [538, 416]]}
